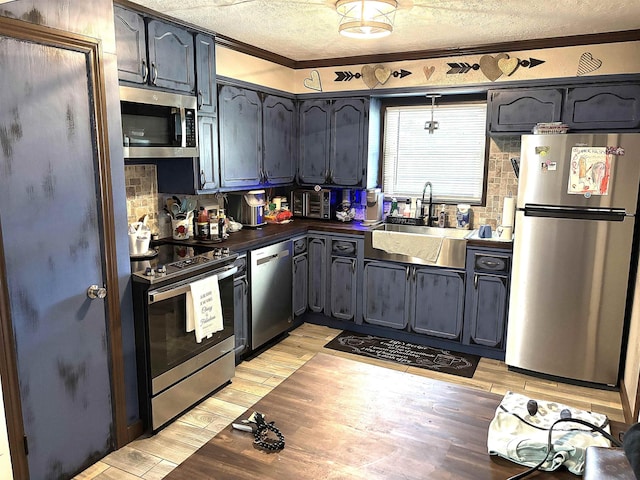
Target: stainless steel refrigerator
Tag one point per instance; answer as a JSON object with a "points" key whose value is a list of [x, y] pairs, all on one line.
{"points": [[572, 253]]}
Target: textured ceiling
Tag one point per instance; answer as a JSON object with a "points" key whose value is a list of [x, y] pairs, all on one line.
{"points": [[308, 29]]}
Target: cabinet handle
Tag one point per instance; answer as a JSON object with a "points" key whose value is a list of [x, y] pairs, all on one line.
{"points": [[475, 281], [145, 71], [202, 178], [199, 99], [415, 273], [353, 266], [408, 273], [266, 176], [154, 73]]}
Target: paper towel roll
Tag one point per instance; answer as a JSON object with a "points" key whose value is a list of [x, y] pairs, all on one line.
{"points": [[508, 211]]}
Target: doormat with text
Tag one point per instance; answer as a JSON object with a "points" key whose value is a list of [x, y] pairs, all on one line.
{"points": [[406, 353]]}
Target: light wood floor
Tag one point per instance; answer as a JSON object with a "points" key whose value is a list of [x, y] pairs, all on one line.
{"points": [[153, 458]]}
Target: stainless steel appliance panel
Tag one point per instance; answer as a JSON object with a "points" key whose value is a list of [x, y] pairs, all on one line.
{"points": [[270, 269], [568, 294], [549, 186]]}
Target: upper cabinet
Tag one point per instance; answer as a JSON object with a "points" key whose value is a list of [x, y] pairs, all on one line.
{"points": [[584, 108], [257, 138], [334, 142], [519, 110], [613, 107], [171, 60], [206, 74]]}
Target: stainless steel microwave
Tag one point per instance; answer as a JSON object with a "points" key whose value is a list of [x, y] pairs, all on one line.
{"points": [[313, 203], [158, 124]]}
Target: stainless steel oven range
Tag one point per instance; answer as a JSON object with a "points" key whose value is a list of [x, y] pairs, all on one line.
{"points": [[174, 370]]}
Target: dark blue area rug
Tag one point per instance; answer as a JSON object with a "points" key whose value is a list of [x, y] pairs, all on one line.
{"points": [[406, 353]]}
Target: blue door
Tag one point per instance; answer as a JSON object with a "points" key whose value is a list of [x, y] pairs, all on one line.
{"points": [[53, 249]]}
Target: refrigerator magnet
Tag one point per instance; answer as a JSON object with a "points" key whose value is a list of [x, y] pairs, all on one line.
{"points": [[619, 151], [542, 151]]}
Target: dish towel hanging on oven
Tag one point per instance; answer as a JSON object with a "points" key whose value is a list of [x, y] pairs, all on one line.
{"points": [[204, 310]]}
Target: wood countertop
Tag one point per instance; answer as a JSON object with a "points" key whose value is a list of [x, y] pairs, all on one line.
{"points": [[250, 238]]}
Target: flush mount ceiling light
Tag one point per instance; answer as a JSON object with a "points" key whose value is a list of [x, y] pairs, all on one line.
{"points": [[366, 18]]}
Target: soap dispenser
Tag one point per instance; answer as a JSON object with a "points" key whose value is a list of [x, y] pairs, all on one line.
{"points": [[442, 217]]}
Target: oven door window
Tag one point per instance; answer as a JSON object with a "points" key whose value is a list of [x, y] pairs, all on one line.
{"points": [[169, 343]]}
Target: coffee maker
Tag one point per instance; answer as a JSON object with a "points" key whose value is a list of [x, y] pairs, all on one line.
{"points": [[248, 208], [375, 203]]}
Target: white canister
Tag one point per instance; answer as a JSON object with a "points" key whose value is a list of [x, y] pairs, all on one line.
{"points": [[463, 216], [180, 229]]}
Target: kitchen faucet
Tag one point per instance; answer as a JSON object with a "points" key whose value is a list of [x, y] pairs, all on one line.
{"points": [[427, 184]]}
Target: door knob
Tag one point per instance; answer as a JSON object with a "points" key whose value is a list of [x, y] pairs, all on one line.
{"points": [[94, 291]]}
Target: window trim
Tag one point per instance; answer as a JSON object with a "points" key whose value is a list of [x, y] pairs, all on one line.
{"points": [[423, 101]]}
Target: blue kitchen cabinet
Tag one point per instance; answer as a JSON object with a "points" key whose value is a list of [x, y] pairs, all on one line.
{"points": [[257, 138], [240, 124], [206, 74], [334, 142], [208, 146], [386, 294], [603, 107], [518, 110], [437, 306], [487, 296], [300, 275], [279, 140], [318, 273], [314, 132], [171, 57], [131, 45], [346, 258], [170, 63], [241, 308]]}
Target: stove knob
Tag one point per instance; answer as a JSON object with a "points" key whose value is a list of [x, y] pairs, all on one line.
{"points": [[225, 250], [217, 252], [162, 270], [149, 272]]}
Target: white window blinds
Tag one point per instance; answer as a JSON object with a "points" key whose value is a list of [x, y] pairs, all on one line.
{"points": [[451, 158]]}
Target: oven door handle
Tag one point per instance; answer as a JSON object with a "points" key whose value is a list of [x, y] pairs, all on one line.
{"points": [[182, 288]]}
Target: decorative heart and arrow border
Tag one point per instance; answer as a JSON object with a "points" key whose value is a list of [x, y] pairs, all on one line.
{"points": [[371, 75], [493, 67]]}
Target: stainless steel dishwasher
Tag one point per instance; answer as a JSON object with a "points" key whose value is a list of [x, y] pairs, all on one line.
{"points": [[270, 272]]}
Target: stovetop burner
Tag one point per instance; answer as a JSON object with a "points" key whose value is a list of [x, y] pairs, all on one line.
{"points": [[178, 260]]}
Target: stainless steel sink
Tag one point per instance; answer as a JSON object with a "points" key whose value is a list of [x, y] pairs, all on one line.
{"points": [[451, 254]]}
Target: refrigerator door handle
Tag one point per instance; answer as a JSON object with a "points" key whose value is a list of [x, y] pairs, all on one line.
{"points": [[606, 214]]}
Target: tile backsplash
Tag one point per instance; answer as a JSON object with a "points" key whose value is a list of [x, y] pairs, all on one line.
{"points": [[143, 196]]}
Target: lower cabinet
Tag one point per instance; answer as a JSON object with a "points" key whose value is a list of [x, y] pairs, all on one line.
{"points": [[241, 308], [317, 288], [346, 254], [300, 275], [437, 302], [487, 297], [386, 297]]}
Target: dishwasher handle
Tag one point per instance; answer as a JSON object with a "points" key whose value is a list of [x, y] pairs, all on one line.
{"points": [[272, 257]]}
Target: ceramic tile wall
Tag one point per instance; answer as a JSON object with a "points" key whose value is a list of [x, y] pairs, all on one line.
{"points": [[143, 198]]}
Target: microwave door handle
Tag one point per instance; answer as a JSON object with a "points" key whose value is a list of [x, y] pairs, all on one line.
{"points": [[182, 288]]}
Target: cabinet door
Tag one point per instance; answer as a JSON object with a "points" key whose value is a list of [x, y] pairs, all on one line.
{"points": [[386, 294], [343, 288], [208, 145], [348, 142], [487, 311], [610, 107], [240, 118], [438, 303], [314, 136], [241, 316], [300, 293], [131, 45], [278, 140], [206, 74], [519, 110], [317, 274], [171, 57]]}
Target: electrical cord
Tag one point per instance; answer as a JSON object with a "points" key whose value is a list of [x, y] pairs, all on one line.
{"points": [[528, 472]]}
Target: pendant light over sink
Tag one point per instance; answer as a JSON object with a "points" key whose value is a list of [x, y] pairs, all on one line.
{"points": [[366, 18]]}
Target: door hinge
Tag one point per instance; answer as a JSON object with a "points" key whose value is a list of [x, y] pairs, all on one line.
{"points": [[26, 445]]}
